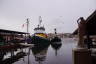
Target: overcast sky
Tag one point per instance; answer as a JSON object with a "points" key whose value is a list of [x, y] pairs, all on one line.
{"points": [[60, 14]]}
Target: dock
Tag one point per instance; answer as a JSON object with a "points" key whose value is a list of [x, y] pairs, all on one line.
{"points": [[11, 41]]}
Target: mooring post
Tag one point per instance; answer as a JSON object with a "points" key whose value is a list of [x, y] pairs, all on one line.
{"points": [[81, 55]]}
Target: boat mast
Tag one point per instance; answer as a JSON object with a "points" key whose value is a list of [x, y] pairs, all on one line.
{"points": [[55, 31], [40, 20]]}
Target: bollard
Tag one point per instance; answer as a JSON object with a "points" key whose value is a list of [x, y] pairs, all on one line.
{"points": [[81, 55]]}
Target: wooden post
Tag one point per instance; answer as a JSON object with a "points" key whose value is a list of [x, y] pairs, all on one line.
{"points": [[81, 55], [28, 27]]}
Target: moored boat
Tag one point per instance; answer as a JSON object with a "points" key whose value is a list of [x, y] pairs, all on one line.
{"points": [[55, 38], [40, 37]]}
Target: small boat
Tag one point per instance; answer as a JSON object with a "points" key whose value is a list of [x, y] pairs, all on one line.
{"points": [[40, 37], [56, 38]]}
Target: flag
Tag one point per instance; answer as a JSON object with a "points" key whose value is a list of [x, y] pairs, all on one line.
{"points": [[23, 25], [26, 23]]}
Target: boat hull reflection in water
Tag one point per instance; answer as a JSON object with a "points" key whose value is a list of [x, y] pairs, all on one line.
{"points": [[40, 52], [56, 46]]}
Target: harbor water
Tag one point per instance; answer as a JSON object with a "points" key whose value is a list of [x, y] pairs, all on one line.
{"points": [[50, 54]]}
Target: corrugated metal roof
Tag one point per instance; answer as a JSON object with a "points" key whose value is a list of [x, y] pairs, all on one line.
{"points": [[10, 31]]}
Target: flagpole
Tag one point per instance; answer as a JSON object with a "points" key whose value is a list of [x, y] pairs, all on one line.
{"points": [[27, 26]]}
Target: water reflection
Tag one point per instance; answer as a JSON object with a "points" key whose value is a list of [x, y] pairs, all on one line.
{"points": [[40, 53], [56, 46], [1, 55], [13, 58], [54, 53]]}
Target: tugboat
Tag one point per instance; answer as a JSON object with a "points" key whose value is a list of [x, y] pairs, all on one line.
{"points": [[40, 37], [56, 38]]}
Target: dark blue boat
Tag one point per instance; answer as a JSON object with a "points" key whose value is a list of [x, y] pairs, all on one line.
{"points": [[56, 38], [40, 37]]}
